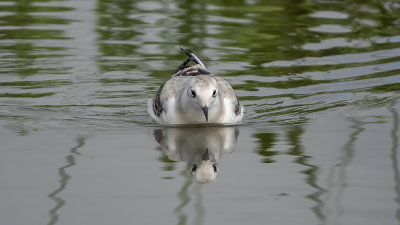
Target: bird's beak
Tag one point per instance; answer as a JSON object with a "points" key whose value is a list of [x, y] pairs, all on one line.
{"points": [[205, 111]]}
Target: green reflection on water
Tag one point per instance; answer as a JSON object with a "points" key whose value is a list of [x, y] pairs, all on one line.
{"points": [[387, 87], [35, 84], [115, 24], [288, 49], [266, 141], [21, 37], [25, 95], [254, 85]]}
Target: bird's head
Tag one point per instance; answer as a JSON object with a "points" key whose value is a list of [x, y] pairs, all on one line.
{"points": [[202, 91]]}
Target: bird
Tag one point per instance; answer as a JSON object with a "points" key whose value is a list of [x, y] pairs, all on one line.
{"points": [[193, 95]]}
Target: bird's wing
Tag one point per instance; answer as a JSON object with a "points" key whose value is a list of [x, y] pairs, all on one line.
{"points": [[195, 59], [193, 71], [157, 104], [227, 92], [171, 89]]}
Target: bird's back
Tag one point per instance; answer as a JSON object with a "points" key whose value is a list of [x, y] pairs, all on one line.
{"points": [[192, 71]]}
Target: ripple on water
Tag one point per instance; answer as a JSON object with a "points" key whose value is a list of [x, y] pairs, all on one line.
{"points": [[330, 15], [283, 61]]}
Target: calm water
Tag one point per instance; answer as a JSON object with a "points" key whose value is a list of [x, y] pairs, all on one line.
{"points": [[320, 81]]}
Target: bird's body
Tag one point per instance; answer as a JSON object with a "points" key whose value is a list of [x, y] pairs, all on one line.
{"points": [[194, 96]]}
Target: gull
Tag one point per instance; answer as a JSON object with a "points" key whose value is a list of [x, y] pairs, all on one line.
{"points": [[195, 96]]}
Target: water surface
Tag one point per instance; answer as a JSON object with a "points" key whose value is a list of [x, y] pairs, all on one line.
{"points": [[319, 143]]}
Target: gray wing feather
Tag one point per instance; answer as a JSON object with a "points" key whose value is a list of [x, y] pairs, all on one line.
{"points": [[227, 92], [157, 105], [199, 65], [169, 89], [238, 109], [192, 71]]}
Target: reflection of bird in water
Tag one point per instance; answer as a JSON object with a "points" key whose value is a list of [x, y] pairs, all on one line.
{"points": [[199, 147], [195, 96]]}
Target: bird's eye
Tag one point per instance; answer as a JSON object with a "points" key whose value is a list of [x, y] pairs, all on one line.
{"points": [[214, 93], [193, 93], [215, 168]]}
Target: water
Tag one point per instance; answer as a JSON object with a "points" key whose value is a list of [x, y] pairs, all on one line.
{"points": [[320, 81]]}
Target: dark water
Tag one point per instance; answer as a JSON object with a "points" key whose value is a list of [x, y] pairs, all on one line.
{"points": [[320, 81]]}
